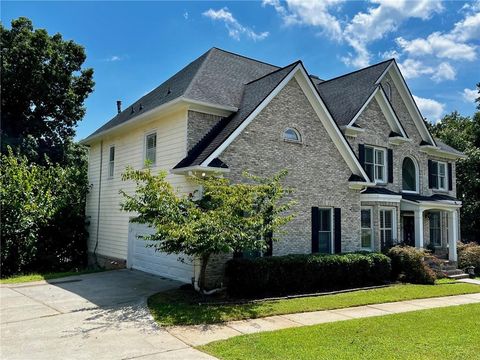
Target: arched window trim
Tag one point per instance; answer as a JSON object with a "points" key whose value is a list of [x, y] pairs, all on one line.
{"points": [[417, 176], [388, 91], [297, 133]]}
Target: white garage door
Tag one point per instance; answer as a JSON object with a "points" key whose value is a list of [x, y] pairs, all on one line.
{"points": [[145, 258]]}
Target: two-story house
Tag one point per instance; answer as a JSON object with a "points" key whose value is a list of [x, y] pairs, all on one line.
{"points": [[365, 170]]}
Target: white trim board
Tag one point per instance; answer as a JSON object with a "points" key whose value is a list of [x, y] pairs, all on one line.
{"points": [[311, 93]]}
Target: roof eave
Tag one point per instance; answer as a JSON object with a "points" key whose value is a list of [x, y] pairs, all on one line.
{"points": [[189, 170]]}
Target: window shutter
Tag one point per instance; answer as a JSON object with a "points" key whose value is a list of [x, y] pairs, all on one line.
{"points": [[337, 218], [361, 154], [430, 175], [450, 177], [390, 165], [315, 229]]}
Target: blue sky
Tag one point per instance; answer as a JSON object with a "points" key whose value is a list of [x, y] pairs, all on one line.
{"points": [[134, 46]]}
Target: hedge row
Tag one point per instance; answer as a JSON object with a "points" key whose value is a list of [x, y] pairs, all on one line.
{"points": [[293, 274]]}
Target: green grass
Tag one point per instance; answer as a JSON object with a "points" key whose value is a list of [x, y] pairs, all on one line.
{"points": [[445, 333], [180, 307], [18, 279]]}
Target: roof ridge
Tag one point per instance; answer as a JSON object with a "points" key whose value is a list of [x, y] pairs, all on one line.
{"points": [[200, 68], [245, 57], [356, 71], [275, 71]]}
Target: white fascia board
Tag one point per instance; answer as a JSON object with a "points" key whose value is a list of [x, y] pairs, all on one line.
{"points": [[250, 118], [380, 198], [164, 108], [363, 107], [389, 112], [436, 151], [198, 168], [429, 205], [407, 98]]}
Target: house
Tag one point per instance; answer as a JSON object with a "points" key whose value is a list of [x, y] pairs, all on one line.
{"points": [[365, 170]]}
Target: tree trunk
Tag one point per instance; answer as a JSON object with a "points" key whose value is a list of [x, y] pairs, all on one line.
{"points": [[203, 271]]}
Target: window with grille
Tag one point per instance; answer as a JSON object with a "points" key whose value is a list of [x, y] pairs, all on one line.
{"points": [[151, 148], [111, 162]]}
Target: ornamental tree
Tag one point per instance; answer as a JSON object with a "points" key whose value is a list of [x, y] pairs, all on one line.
{"points": [[221, 217]]}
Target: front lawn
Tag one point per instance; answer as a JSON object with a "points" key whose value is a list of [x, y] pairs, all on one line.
{"points": [[17, 279], [181, 307], [446, 333]]}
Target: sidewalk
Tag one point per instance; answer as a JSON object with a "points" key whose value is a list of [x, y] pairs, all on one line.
{"points": [[196, 335]]}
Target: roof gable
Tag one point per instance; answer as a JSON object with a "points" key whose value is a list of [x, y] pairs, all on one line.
{"points": [[345, 95]]}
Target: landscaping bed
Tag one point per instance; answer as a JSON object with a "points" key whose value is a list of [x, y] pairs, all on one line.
{"points": [[446, 333], [183, 307]]}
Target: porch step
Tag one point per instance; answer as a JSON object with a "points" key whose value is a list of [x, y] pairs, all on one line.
{"points": [[455, 272]]}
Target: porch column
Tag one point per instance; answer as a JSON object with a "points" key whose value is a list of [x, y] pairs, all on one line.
{"points": [[452, 235], [419, 228]]}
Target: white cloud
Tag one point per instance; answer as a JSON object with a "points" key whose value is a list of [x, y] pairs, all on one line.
{"points": [[235, 29], [444, 71], [431, 109], [389, 54], [439, 45], [470, 95], [113, 58], [185, 15], [377, 22], [413, 68], [308, 12]]}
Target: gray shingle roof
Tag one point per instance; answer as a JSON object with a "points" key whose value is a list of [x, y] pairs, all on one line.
{"points": [[216, 77], [447, 148], [253, 94], [344, 96]]}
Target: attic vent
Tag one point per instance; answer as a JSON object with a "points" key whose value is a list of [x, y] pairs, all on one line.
{"points": [[141, 107], [132, 111], [169, 91]]}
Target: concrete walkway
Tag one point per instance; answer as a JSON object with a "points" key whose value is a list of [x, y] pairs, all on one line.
{"points": [[203, 334], [470, 281], [95, 316]]}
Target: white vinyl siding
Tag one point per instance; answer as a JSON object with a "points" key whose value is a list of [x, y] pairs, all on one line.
{"points": [[130, 150]]}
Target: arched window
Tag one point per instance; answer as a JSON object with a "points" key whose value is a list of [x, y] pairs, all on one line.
{"points": [[409, 175], [388, 90], [291, 134]]}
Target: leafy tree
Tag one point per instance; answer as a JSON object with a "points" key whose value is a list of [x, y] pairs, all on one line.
{"points": [[224, 218], [42, 216], [43, 90], [463, 133]]}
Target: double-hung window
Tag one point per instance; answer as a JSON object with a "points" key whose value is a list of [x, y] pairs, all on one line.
{"points": [[151, 148], [325, 230], [375, 163], [111, 162], [367, 231], [439, 177], [435, 229], [387, 227]]}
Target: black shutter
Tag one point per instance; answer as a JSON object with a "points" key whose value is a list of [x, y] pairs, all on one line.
{"points": [[337, 218], [390, 165], [450, 180], [361, 154], [430, 174], [315, 229]]}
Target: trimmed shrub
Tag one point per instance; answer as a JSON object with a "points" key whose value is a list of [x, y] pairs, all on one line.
{"points": [[469, 255], [408, 265], [294, 274]]}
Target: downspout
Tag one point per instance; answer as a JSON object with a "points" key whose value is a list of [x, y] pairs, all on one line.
{"points": [[98, 204]]}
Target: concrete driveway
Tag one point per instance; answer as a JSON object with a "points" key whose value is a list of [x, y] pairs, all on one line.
{"points": [[94, 316]]}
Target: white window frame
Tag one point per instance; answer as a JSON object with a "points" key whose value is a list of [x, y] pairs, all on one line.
{"points": [[439, 228], [111, 163], [299, 137], [394, 223], [445, 175], [147, 134], [417, 176], [372, 235], [332, 233], [376, 149]]}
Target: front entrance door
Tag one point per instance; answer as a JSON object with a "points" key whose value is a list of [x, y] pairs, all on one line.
{"points": [[409, 230]]}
